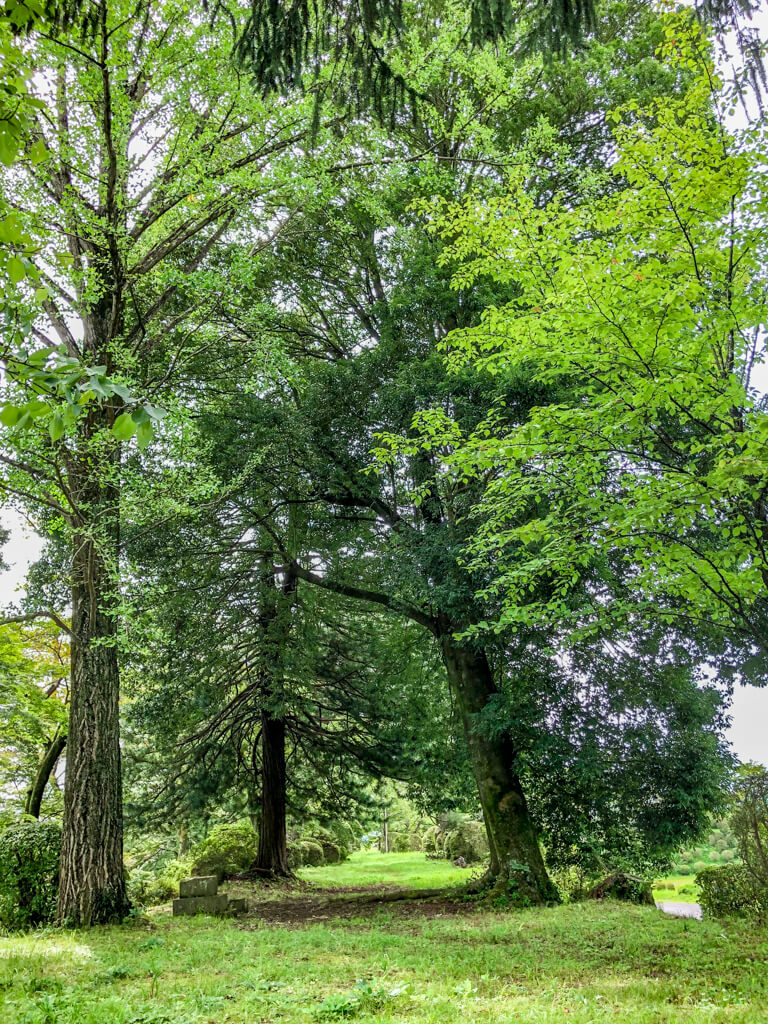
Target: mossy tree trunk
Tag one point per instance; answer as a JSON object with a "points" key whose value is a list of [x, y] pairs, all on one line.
{"points": [[516, 864]]}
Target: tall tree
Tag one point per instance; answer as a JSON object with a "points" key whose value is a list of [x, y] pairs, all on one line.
{"points": [[152, 145], [656, 452], [362, 316]]}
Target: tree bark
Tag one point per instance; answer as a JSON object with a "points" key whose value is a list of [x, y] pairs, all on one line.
{"points": [[272, 856], [517, 866], [92, 884], [37, 789]]}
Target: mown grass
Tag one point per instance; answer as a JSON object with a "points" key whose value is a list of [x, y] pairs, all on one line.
{"points": [[585, 964], [410, 870]]}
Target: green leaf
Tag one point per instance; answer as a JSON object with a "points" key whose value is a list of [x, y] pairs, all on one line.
{"points": [[16, 270], [56, 427], [9, 148], [144, 434], [38, 152], [122, 391], [124, 428], [9, 416]]}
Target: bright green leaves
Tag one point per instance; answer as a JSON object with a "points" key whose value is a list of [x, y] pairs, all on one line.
{"points": [[139, 422], [124, 427], [643, 305], [65, 389]]}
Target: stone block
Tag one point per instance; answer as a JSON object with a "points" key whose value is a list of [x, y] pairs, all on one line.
{"points": [[200, 904], [237, 905], [202, 885]]}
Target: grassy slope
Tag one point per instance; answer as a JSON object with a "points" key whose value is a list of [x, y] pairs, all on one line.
{"points": [[584, 964]]}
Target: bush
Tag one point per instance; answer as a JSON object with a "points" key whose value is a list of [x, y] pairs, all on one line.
{"points": [[731, 891], [331, 853], [699, 865], [429, 840], [727, 856], [147, 889], [311, 853], [714, 857], [399, 842], [414, 842], [30, 852], [226, 850], [682, 869], [468, 841]]}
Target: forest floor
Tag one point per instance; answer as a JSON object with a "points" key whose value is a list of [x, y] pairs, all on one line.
{"points": [[444, 961]]}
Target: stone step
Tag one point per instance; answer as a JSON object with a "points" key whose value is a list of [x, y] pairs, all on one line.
{"points": [[200, 904]]}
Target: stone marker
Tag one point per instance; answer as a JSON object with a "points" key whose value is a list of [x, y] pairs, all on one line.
{"points": [[200, 896], [204, 904], [202, 885]]}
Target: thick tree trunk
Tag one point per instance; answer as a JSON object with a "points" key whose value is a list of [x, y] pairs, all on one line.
{"points": [[37, 789], [517, 866], [92, 885], [272, 857]]}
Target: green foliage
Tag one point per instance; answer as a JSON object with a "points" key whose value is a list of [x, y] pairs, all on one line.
{"points": [[469, 841], [399, 842], [749, 821], [29, 873], [226, 850], [650, 462], [732, 891], [311, 853], [429, 840]]}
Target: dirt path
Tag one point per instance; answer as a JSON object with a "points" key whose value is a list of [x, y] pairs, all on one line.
{"points": [[301, 904]]}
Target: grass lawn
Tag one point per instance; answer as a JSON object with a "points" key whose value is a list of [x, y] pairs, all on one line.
{"points": [[583, 964], [411, 870]]}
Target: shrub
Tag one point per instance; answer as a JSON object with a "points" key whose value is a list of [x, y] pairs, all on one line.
{"points": [[699, 865], [311, 853], [727, 856], [468, 841], [331, 853], [226, 850], [682, 869], [399, 842], [429, 840], [30, 852], [147, 890], [731, 891], [414, 842]]}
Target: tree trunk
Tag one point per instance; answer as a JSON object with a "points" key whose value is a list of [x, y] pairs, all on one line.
{"points": [[92, 884], [37, 789], [272, 857], [517, 866]]}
